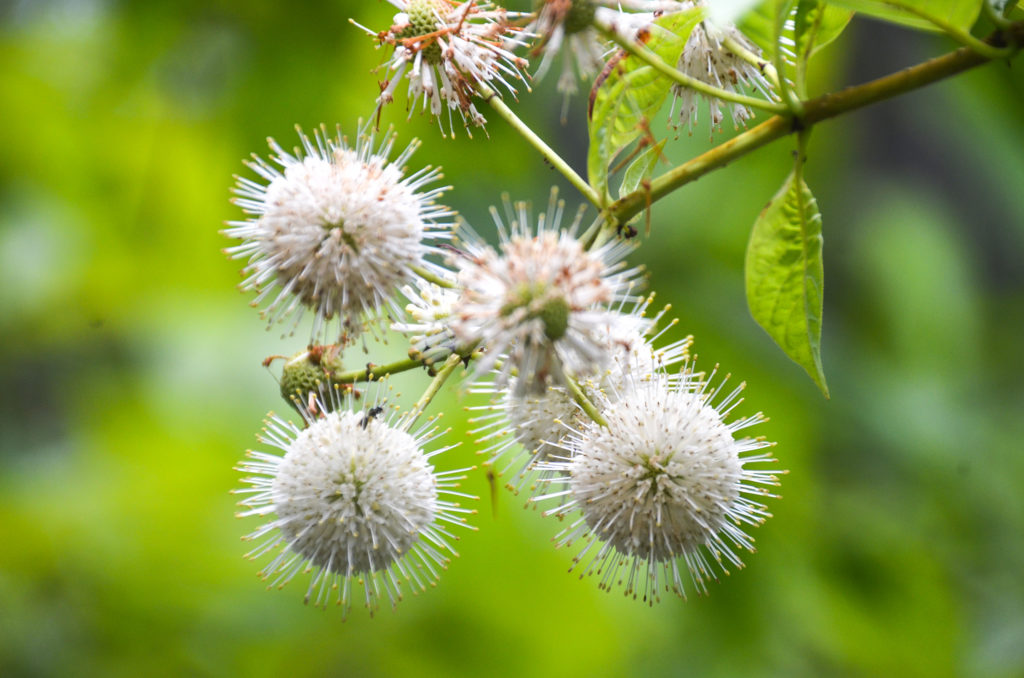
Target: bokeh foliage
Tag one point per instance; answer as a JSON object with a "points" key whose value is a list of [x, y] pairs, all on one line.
{"points": [[132, 381]]}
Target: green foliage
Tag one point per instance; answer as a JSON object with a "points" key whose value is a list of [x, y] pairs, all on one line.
{"points": [[641, 168], [631, 93], [785, 276], [815, 24], [959, 13]]}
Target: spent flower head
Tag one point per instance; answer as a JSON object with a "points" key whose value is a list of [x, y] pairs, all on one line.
{"points": [[336, 228], [572, 28], [665, 484], [354, 497], [566, 27], [445, 49], [704, 58]]}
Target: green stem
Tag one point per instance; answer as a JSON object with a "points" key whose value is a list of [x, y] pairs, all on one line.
{"points": [[757, 62], [654, 61], [435, 385], [955, 32], [433, 277], [584, 402], [555, 160], [374, 372], [815, 110], [589, 236], [802, 138]]}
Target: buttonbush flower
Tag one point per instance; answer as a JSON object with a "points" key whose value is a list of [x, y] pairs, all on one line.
{"points": [[528, 428], [541, 302], [566, 26], [353, 498], [569, 27], [666, 485], [336, 228], [444, 48]]}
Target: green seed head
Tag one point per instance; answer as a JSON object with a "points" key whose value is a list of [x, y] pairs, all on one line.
{"points": [[523, 296], [580, 16], [555, 315], [553, 311], [423, 21], [308, 372]]}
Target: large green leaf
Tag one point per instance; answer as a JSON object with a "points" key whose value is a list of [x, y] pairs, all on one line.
{"points": [[960, 13], [629, 93], [784, 275]]}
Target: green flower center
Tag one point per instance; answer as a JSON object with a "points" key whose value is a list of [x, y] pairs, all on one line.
{"points": [[580, 16], [423, 21], [577, 17], [535, 297]]}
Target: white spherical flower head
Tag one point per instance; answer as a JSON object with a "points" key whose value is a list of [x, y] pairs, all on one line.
{"points": [[539, 304], [361, 494], [355, 497], [336, 229], [536, 420], [667, 481], [705, 59], [528, 428], [447, 50]]}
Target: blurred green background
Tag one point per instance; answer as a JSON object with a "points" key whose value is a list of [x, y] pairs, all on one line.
{"points": [[132, 381]]}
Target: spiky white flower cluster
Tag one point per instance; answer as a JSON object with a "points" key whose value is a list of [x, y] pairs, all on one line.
{"points": [[445, 49], [354, 497], [527, 428], [540, 304], [586, 410], [663, 482], [336, 228], [568, 22]]}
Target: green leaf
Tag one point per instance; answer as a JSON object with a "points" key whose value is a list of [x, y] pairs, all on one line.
{"points": [[816, 24], [629, 93], [784, 275], [641, 168], [960, 13], [759, 25], [599, 150]]}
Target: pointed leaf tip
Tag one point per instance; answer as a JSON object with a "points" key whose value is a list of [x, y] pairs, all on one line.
{"points": [[785, 277]]}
